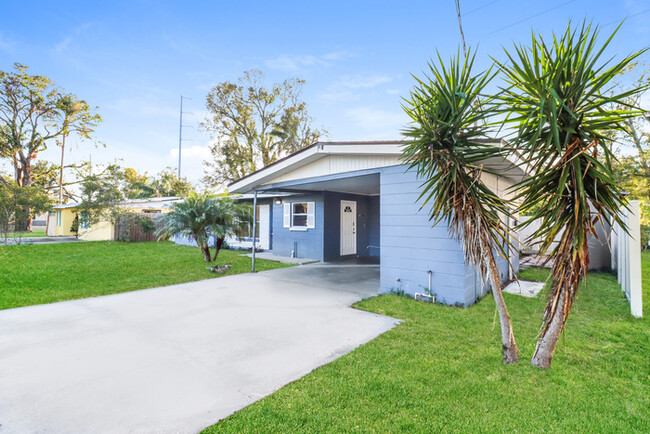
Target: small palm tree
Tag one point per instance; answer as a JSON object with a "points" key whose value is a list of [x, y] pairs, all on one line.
{"points": [[559, 100], [199, 216], [447, 146]]}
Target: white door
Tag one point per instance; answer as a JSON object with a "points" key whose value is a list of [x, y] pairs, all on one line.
{"points": [[348, 227], [264, 213]]}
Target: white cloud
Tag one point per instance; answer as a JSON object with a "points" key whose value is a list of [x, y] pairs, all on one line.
{"points": [[344, 89], [373, 123], [192, 158], [293, 63], [364, 81], [191, 152], [6, 44], [144, 106], [65, 42]]}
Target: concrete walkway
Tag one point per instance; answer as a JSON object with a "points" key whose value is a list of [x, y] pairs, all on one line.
{"points": [[178, 358], [42, 240]]}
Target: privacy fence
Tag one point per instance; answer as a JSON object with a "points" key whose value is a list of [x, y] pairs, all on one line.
{"points": [[613, 249], [626, 257]]}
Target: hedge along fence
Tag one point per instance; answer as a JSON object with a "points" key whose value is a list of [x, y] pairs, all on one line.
{"points": [[626, 257], [136, 227]]}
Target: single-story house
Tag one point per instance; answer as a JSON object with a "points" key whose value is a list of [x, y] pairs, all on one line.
{"points": [[61, 218], [337, 200]]}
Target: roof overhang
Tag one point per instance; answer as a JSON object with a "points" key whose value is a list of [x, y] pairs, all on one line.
{"points": [[310, 154], [262, 179]]}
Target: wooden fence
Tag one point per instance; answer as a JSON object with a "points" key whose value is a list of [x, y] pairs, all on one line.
{"points": [[130, 228]]}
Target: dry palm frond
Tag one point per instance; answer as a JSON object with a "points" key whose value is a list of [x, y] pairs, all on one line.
{"points": [[447, 146], [559, 101]]}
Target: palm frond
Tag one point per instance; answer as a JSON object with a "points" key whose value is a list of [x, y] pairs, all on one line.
{"points": [[564, 117]]}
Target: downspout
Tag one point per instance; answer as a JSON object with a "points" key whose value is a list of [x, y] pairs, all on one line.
{"points": [[254, 228]]}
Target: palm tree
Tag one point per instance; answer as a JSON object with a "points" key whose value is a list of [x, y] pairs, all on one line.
{"points": [[559, 100], [447, 146], [199, 216]]}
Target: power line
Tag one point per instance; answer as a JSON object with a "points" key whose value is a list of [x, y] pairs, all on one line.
{"points": [[480, 7], [528, 18], [626, 17]]}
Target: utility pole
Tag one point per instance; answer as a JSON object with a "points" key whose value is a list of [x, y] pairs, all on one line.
{"points": [[180, 134]]}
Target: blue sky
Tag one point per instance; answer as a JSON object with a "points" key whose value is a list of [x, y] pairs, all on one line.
{"points": [[134, 59]]}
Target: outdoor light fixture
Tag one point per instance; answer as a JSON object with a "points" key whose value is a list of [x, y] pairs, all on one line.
{"points": [[278, 201]]}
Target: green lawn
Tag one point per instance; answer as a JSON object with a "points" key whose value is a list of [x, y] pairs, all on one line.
{"points": [[441, 371], [37, 274], [34, 233]]}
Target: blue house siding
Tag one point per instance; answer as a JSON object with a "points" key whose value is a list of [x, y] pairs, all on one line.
{"points": [[410, 246], [367, 224], [307, 243], [374, 218]]}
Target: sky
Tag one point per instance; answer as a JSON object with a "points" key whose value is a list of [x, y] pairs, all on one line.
{"points": [[134, 59]]}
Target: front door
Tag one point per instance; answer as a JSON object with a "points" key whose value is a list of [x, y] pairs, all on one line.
{"points": [[264, 226], [348, 227]]}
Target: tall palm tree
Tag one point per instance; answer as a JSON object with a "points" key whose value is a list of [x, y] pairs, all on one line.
{"points": [[447, 146], [200, 216], [559, 100]]}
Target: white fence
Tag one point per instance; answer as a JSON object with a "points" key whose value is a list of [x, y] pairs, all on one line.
{"points": [[626, 257]]}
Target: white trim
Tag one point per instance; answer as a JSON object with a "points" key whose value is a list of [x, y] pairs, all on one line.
{"points": [[301, 158], [500, 164], [311, 207], [286, 217], [311, 215]]}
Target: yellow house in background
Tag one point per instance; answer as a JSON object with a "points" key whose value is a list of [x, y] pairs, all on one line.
{"points": [[60, 219]]}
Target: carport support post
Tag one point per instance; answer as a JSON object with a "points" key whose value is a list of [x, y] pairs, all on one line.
{"points": [[254, 228]]}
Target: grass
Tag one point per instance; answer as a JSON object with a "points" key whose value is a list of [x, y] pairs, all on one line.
{"points": [[37, 274], [34, 233], [440, 370]]}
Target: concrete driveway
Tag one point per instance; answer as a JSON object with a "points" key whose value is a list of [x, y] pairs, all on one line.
{"points": [[177, 358]]}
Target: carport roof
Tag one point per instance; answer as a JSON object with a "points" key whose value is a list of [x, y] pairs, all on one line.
{"points": [[318, 150]]}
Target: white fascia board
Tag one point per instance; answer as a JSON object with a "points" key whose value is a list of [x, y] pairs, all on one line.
{"points": [[355, 149], [248, 183], [307, 156]]}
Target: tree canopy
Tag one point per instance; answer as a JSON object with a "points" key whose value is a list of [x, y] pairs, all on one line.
{"points": [[33, 111], [253, 125]]}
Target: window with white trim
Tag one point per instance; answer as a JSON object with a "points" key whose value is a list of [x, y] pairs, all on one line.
{"points": [[299, 215], [58, 218]]}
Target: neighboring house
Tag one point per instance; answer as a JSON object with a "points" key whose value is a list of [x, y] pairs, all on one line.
{"points": [[338, 200], [60, 219]]}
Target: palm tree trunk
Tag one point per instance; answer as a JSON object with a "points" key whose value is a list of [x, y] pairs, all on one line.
{"points": [[206, 252], [217, 246], [567, 273], [510, 350], [548, 341]]}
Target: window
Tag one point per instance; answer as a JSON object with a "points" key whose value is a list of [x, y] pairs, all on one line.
{"points": [[83, 220], [299, 216], [58, 218]]}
